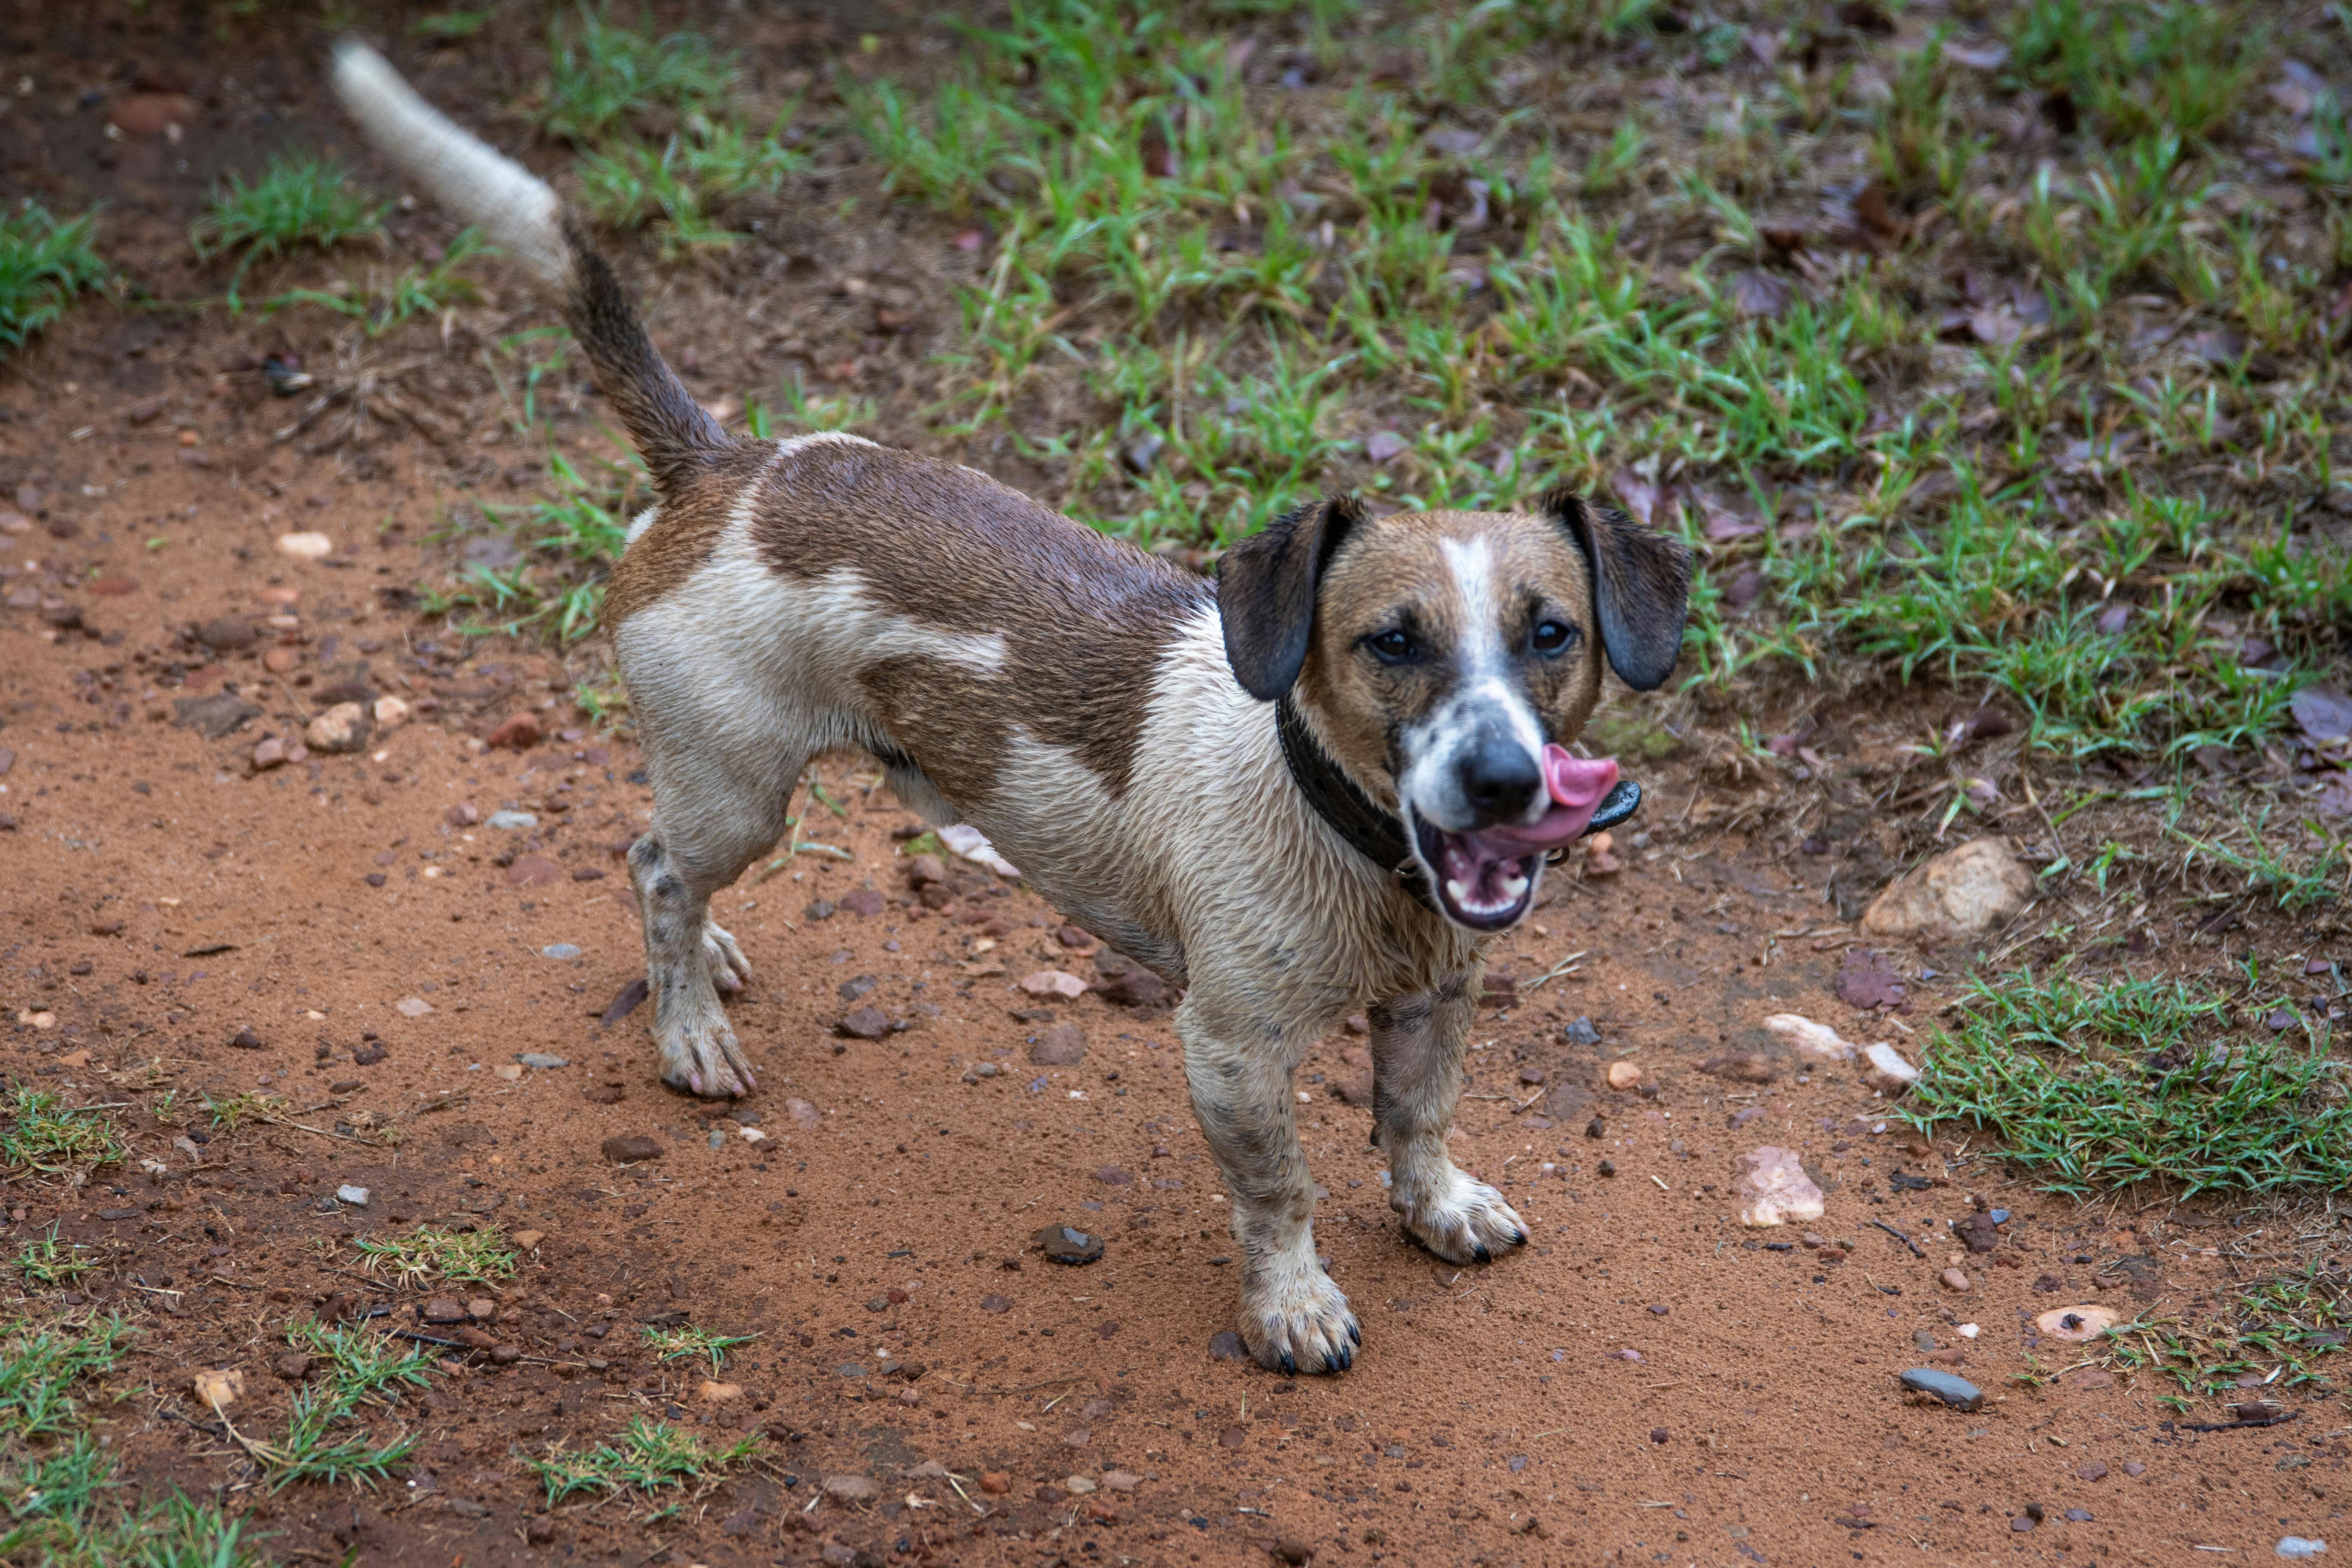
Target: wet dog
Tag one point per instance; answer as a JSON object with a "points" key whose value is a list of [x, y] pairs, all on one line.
{"points": [[1321, 782]]}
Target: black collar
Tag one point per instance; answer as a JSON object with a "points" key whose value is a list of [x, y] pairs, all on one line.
{"points": [[1376, 835]]}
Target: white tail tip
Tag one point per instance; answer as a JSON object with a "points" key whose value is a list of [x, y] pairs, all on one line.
{"points": [[457, 168]]}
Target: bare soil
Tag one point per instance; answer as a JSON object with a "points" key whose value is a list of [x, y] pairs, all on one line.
{"points": [[1646, 1381]]}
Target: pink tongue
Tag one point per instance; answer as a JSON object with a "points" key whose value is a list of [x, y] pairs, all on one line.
{"points": [[1577, 787]]}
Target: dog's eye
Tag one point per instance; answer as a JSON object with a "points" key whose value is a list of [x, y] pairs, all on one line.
{"points": [[1392, 647], [1552, 637]]}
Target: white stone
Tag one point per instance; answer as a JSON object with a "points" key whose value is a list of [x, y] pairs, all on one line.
{"points": [[1773, 1188], [2297, 1547], [342, 728], [306, 546], [1888, 1072], [1813, 1039], [357, 1197]]}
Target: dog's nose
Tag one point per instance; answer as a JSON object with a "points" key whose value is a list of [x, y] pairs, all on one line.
{"points": [[1499, 779]]}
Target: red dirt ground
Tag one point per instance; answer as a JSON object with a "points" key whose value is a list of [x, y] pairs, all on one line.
{"points": [[1646, 1382]]}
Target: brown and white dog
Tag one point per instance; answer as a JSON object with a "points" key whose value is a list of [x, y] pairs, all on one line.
{"points": [[1204, 775]]}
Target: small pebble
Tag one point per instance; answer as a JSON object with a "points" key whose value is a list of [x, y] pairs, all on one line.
{"points": [[2296, 1548], [1956, 1392], [559, 950], [357, 1197]]}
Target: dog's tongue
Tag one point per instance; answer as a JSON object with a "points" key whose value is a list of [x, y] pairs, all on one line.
{"points": [[1576, 785]]}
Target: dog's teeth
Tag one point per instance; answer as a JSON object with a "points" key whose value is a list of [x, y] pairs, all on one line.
{"points": [[1514, 886], [1458, 890]]}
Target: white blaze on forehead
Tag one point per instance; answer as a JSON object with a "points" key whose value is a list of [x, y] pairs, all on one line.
{"points": [[1486, 692]]}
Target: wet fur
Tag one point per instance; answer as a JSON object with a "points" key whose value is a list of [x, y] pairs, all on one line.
{"points": [[1100, 715]]}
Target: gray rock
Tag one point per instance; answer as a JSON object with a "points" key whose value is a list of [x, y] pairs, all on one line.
{"points": [[1067, 1244], [2297, 1547], [213, 717], [1579, 1032], [513, 821], [560, 950], [541, 1060], [1956, 1392], [357, 1197]]}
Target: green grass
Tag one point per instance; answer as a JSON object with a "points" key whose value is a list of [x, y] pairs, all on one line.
{"points": [[296, 202], [603, 74], [2092, 1086], [60, 1490], [438, 1253], [44, 1262], [694, 1344], [234, 1111], [2279, 1330], [40, 1133], [328, 1438], [648, 1458], [43, 265], [387, 302]]}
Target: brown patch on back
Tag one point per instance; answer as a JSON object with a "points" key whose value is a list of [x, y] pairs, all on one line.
{"points": [[693, 515], [1085, 620], [1394, 573]]}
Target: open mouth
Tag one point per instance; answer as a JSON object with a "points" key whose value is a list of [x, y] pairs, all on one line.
{"points": [[1485, 878]]}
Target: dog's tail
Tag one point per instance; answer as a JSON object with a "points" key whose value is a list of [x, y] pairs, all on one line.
{"points": [[677, 437]]}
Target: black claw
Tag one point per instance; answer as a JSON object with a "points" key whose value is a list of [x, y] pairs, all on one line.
{"points": [[1289, 1364], [1345, 1360], [1481, 1253], [1355, 1334], [1518, 1238]]}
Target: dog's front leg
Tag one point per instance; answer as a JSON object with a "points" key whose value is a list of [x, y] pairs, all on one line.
{"points": [[1292, 1317], [1417, 1046]]}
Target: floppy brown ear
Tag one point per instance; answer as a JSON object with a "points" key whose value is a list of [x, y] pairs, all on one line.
{"points": [[1641, 586], [1265, 592]]}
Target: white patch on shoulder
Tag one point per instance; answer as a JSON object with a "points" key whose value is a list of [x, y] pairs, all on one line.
{"points": [[642, 521]]}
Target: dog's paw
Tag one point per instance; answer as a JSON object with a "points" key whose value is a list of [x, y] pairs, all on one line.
{"points": [[706, 1059], [1466, 1221], [724, 958], [1295, 1320]]}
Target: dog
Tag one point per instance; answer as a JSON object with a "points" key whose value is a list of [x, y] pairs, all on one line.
{"points": [[1320, 783]]}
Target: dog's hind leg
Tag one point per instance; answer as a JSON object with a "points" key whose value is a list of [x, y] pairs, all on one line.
{"points": [[1293, 1317], [712, 818], [1417, 1046]]}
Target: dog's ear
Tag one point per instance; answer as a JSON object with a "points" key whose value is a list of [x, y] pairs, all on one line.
{"points": [[1641, 586], [1265, 592]]}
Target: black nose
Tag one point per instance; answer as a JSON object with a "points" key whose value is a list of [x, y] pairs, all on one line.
{"points": [[1499, 781]]}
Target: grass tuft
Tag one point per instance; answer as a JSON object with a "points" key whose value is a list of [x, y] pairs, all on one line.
{"points": [[45, 1263], [438, 1253], [296, 202], [601, 74], [43, 265], [688, 1343], [40, 1133], [2277, 1330], [646, 1457], [2094, 1087]]}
